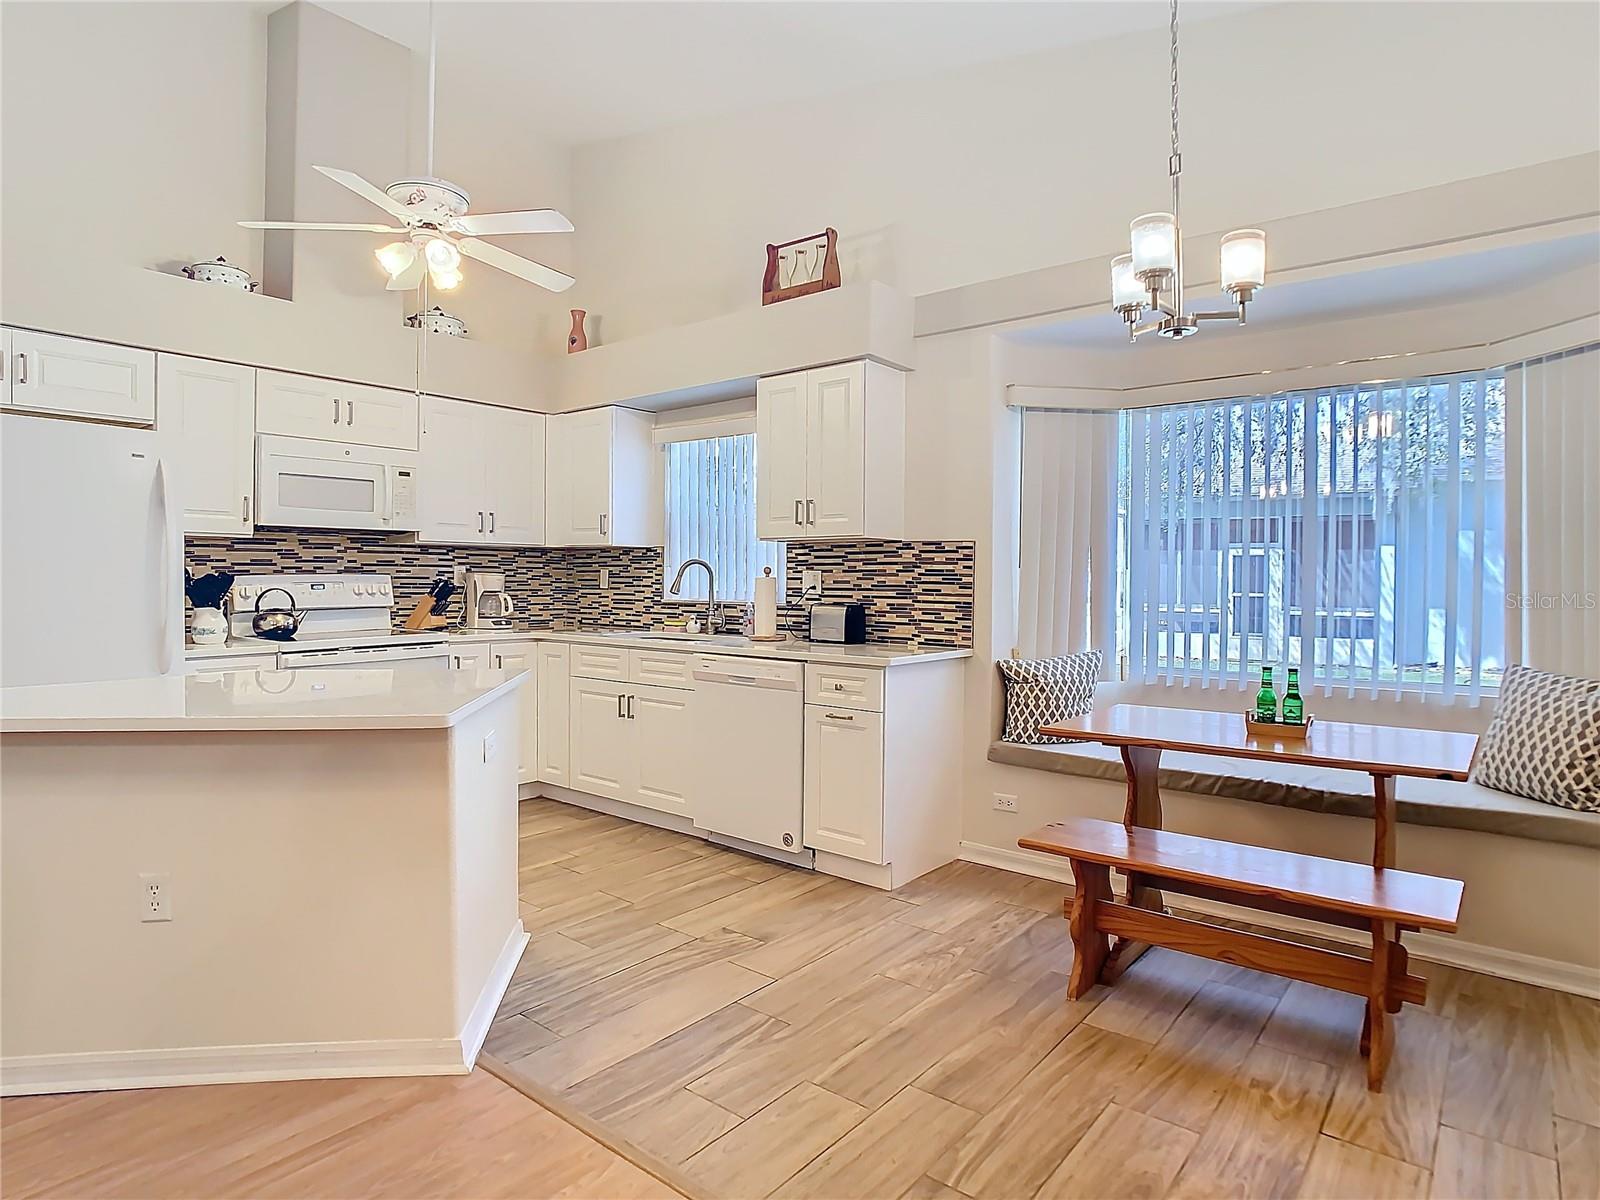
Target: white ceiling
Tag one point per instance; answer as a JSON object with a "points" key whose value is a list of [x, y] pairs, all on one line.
{"points": [[590, 70], [1442, 281]]}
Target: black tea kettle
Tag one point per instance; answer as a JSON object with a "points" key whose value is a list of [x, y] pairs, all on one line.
{"points": [[276, 624]]}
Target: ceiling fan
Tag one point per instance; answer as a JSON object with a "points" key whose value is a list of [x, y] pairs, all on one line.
{"points": [[432, 214]]}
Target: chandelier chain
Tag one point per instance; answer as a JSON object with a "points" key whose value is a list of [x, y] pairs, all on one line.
{"points": [[1176, 163]]}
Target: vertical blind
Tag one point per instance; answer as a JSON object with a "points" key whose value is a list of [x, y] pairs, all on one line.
{"points": [[1356, 533], [711, 514], [1066, 586], [1553, 474]]}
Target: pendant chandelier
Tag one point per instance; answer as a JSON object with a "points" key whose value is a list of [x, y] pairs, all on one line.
{"points": [[1152, 276]]}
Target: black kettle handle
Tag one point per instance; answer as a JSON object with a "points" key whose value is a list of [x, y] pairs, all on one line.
{"points": [[269, 592]]}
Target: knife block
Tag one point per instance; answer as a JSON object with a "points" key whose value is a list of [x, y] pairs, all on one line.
{"points": [[422, 616]]}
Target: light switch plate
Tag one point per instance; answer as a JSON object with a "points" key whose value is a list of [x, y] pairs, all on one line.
{"points": [[811, 581], [491, 746]]}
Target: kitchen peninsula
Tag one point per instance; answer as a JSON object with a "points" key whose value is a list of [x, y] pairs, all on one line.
{"points": [[256, 875]]}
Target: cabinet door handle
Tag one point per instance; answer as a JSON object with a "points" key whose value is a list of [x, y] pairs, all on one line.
{"points": [[811, 512], [247, 508], [620, 698], [22, 368], [630, 708], [491, 522], [349, 412], [499, 662], [837, 717], [336, 410], [799, 512], [458, 662], [602, 524], [480, 523]]}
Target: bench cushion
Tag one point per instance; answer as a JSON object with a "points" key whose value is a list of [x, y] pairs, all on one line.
{"points": [[1437, 802]]}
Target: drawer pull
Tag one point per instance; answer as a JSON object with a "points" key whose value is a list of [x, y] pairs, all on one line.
{"points": [[838, 717], [838, 687]]}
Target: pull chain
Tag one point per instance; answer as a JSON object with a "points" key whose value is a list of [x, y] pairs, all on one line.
{"points": [[1175, 164]]}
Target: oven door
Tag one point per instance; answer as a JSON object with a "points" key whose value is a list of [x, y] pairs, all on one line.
{"points": [[329, 485], [434, 657]]}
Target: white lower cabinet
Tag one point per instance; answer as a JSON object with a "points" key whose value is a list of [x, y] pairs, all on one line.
{"points": [[474, 656], [844, 782], [523, 656], [603, 758], [552, 753], [663, 748], [632, 741]]}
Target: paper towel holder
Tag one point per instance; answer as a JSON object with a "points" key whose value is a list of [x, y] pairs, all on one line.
{"points": [[766, 574]]}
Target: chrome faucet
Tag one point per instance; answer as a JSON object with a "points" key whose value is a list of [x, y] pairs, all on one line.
{"points": [[712, 613]]}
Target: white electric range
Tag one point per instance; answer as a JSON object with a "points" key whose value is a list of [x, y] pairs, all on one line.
{"points": [[348, 623]]}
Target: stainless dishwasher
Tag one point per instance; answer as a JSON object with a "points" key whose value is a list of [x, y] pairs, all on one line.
{"points": [[750, 735]]}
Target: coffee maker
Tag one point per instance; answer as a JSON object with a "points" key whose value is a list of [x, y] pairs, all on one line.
{"points": [[488, 606]]}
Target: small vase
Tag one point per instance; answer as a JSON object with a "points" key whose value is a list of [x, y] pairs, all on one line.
{"points": [[577, 339], [208, 627]]}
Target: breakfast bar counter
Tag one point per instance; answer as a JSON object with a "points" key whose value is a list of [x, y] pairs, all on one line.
{"points": [[255, 875]]}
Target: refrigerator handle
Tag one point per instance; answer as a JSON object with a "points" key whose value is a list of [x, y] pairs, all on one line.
{"points": [[169, 557]]}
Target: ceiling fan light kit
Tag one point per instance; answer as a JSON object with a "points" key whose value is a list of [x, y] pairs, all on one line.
{"points": [[1151, 277]]}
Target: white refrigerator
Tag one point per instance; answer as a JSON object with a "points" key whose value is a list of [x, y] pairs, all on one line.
{"points": [[91, 557]]}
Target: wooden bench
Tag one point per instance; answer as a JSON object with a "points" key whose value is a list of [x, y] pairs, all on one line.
{"points": [[1385, 902]]}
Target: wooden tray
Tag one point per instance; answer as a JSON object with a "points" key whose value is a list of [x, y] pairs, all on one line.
{"points": [[1276, 729]]}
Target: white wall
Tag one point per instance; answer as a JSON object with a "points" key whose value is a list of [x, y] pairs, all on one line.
{"points": [[134, 137], [998, 169]]}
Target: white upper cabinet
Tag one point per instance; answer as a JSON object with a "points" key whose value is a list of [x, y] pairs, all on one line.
{"points": [[830, 453], [205, 415], [95, 380], [304, 406], [481, 477], [602, 485], [781, 484]]}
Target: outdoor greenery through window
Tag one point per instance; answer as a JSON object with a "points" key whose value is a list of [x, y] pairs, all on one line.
{"points": [[711, 514], [1357, 533]]}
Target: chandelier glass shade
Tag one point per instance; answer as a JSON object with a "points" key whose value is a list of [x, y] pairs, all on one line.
{"points": [[1150, 279]]}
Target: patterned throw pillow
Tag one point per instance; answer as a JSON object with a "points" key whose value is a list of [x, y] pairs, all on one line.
{"points": [[1042, 691], [1544, 740]]}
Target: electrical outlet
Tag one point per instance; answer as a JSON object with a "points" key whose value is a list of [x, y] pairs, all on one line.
{"points": [[491, 746], [811, 581], [155, 898], [605, 579], [1004, 803]]}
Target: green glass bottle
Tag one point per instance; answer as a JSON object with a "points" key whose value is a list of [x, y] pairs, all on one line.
{"points": [[1266, 698], [1294, 708]]}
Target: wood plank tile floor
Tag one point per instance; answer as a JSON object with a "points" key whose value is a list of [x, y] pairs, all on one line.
{"points": [[457, 1135], [776, 1032]]}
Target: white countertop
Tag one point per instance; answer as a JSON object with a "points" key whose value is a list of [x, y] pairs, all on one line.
{"points": [[869, 654], [256, 700]]}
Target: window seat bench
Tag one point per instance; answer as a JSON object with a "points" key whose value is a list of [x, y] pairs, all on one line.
{"points": [[1437, 802]]}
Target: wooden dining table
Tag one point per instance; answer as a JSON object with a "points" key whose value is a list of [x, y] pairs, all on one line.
{"points": [[1141, 732]]}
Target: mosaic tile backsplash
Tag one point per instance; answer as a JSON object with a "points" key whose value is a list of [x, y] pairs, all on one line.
{"points": [[919, 591]]}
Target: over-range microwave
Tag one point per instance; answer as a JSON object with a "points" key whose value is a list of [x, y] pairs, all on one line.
{"points": [[332, 485]]}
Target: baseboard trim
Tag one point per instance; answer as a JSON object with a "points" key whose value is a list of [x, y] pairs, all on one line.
{"points": [[481, 1017], [42, 1074], [1432, 947]]}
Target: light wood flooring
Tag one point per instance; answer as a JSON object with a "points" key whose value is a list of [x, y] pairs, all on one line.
{"points": [[778, 1032], [460, 1135]]}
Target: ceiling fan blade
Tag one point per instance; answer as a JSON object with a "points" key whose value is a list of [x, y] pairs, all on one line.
{"points": [[410, 278], [366, 191], [515, 264], [353, 226], [531, 220]]}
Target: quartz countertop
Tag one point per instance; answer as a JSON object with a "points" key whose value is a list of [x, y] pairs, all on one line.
{"points": [[868, 654], [257, 700]]}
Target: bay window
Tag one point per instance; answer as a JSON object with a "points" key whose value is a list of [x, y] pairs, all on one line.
{"points": [[1386, 538]]}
